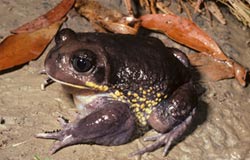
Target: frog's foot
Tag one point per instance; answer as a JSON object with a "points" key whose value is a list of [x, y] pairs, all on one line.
{"points": [[63, 121], [110, 125], [59, 134], [166, 139]]}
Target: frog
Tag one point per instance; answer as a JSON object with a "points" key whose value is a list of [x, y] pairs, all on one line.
{"points": [[123, 85]]}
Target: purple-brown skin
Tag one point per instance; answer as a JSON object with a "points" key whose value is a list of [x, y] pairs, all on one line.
{"points": [[121, 84]]}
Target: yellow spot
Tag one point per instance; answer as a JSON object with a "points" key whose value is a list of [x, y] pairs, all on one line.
{"points": [[144, 92], [136, 110], [140, 88], [114, 96], [96, 86], [166, 96], [154, 103], [142, 105], [135, 105], [118, 93], [135, 95], [143, 121], [143, 118], [147, 102], [142, 99], [158, 95], [134, 100], [129, 93]]}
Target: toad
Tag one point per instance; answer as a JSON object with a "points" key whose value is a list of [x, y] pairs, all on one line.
{"points": [[121, 84]]}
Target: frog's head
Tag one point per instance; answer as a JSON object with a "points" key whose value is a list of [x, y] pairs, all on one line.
{"points": [[99, 62], [77, 62]]}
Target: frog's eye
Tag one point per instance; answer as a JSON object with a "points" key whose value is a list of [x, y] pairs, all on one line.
{"points": [[82, 61]]}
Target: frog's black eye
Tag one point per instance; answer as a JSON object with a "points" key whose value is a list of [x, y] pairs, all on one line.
{"points": [[82, 61]]}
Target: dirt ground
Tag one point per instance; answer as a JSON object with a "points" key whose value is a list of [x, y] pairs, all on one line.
{"points": [[221, 130]]}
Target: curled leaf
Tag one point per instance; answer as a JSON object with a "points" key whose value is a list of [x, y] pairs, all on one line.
{"points": [[209, 68], [47, 19], [183, 31], [187, 33], [240, 73], [21, 48]]}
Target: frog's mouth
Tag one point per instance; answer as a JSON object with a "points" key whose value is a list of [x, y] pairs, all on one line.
{"points": [[87, 85], [51, 80]]}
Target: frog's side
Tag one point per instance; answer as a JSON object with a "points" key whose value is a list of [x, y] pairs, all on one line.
{"points": [[123, 82]]}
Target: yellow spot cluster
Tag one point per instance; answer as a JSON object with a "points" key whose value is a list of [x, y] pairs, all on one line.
{"points": [[96, 86], [141, 102]]}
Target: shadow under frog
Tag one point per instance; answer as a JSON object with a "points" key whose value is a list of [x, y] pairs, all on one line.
{"points": [[123, 84]]}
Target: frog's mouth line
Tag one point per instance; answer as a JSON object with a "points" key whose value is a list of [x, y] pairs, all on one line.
{"points": [[51, 80], [88, 85]]}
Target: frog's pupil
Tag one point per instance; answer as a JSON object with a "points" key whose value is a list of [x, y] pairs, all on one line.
{"points": [[81, 64]]}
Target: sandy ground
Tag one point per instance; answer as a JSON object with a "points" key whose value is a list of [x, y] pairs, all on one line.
{"points": [[221, 129]]}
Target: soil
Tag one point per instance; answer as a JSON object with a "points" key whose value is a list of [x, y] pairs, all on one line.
{"points": [[221, 129]]}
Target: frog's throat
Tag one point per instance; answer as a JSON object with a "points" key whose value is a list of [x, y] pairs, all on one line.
{"points": [[87, 85]]}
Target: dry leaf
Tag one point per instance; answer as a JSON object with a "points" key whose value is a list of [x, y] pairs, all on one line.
{"points": [[21, 48], [183, 31], [119, 27], [210, 68], [187, 33], [108, 19], [47, 19]]}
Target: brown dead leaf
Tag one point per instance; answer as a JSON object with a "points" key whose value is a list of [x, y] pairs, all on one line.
{"points": [[240, 72], [187, 33], [104, 19], [209, 68], [94, 11], [54, 15], [119, 28], [21, 48], [183, 31]]}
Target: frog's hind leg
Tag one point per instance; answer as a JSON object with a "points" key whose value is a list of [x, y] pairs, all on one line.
{"points": [[166, 139], [111, 125], [171, 118]]}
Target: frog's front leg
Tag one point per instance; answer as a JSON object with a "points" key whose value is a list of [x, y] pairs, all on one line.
{"points": [[171, 118], [110, 125]]}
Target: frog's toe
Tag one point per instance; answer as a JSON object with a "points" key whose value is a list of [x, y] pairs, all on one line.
{"points": [[149, 148], [153, 138], [66, 141], [49, 135], [55, 134], [63, 121], [63, 140]]}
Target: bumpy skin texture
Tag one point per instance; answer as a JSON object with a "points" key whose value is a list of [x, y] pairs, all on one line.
{"points": [[123, 83]]}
